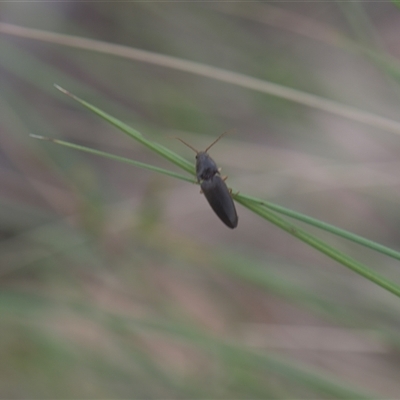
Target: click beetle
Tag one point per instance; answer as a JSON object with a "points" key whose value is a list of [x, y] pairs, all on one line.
{"points": [[213, 186]]}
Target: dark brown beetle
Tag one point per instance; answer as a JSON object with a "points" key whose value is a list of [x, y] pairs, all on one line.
{"points": [[213, 186]]}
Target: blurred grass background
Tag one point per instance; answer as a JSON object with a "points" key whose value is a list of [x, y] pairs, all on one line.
{"points": [[120, 283]]}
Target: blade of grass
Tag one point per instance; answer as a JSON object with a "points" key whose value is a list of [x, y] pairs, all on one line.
{"points": [[220, 74], [115, 157], [321, 246], [133, 133], [325, 226]]}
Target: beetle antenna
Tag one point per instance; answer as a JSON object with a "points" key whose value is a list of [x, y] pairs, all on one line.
{"points": [[188, 145], [216, 140]]}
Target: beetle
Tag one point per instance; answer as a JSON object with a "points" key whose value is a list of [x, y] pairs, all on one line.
{"points": [[213, 186]]}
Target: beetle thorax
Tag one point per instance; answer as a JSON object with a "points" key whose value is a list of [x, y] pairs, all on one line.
{"points": [[205, 166]]}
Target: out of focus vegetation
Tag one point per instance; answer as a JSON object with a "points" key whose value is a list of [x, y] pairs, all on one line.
{"points": [[120, 283]]}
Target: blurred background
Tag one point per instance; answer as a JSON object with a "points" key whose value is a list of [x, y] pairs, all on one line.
{"points": [[116, 282]]}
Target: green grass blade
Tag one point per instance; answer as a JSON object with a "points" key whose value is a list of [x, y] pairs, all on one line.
{"points": [[133, 133], [321, 246], [117, 158], [325, 226]]}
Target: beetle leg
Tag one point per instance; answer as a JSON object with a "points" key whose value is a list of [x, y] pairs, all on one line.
{"points": [[224, 178], [230, 192]]}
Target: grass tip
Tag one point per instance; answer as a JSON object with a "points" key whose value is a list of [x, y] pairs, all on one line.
{"points": [[61, 89], [32, 135]]}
